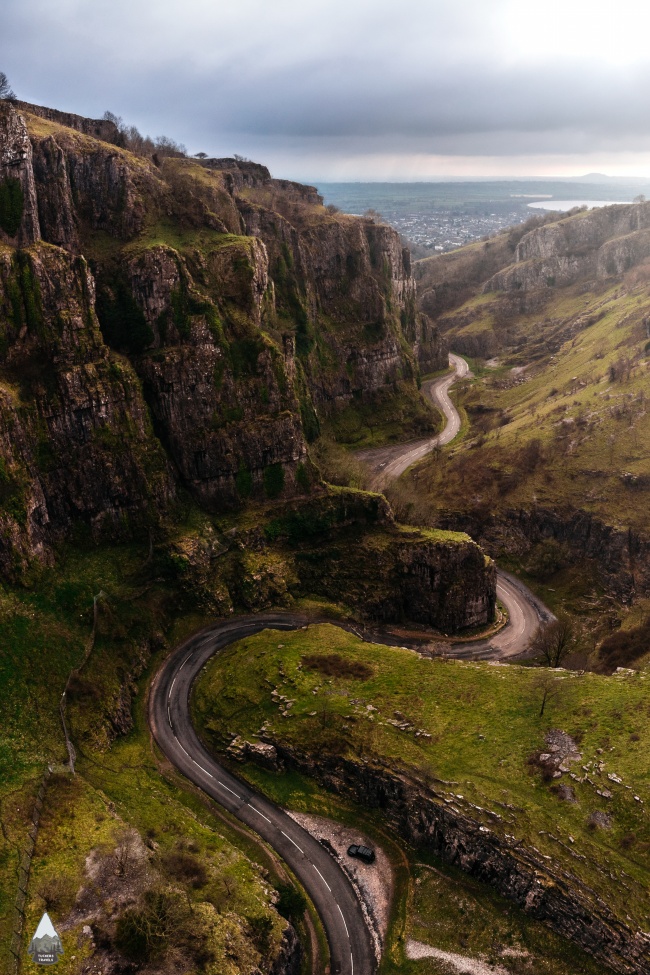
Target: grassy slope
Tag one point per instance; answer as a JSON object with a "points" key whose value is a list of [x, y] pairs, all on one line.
{"points": [[484, 722], [591, 428], [45, 631]]}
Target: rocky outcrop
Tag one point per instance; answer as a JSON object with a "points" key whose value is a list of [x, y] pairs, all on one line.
{"points": [[56, 210], [396, 575], [234, 312], [99, 128], [599, 243], [288, 961], [426, 816], [18, 204], [354, 272], [342, 545], [347, 547], [621, 556]]}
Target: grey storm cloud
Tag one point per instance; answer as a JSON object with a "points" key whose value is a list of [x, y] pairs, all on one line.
{"points": [[327, 76]]}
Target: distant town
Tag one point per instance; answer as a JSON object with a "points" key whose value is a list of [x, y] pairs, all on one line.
{"points": [[434, 218], [445, 230]]}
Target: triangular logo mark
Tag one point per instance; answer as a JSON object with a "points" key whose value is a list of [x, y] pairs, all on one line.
{"points": [[45, 947]]}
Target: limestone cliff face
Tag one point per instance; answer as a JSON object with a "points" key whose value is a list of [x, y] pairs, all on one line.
{"points": [[234, 311], [343, 545], [76, 442], [351, 272], [19, 217], [599, 243], [99, 128]]}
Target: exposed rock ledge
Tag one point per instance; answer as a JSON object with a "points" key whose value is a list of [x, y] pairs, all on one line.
{"points": [[418, 813]]}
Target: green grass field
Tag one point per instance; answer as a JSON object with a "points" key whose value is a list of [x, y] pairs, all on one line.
{"points": [[484, 724], [119, 786]]}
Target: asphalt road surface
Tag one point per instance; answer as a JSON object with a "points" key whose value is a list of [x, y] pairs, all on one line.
{"points": [[388, 463], [330, 890], [525, 611]]}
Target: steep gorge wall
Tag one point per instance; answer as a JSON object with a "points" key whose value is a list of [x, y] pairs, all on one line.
{"points": [[621, 556], [598, 244], [344, 546], [76, 441], [220, 314], [427, 816]]}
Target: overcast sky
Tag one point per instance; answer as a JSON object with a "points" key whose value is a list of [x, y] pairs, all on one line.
{"points": [[354, 89]]}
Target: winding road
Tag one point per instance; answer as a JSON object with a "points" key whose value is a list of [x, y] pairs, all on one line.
{"points": [[525, 610], [389, 463], [351, 949]]}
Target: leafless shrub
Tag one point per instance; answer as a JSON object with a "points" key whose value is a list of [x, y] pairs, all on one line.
{"points": [[554, 642]]}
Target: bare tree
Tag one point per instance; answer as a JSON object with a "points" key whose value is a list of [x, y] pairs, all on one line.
{"points": [[548, 686], [554, 642], [6, 91], [117, 120]]}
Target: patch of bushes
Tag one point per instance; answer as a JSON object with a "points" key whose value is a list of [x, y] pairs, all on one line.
{"points": [[547, 558], [302, 478], [374, 332], [261, 930], [121, 319], [291, 903], [11, 205], [184, 305], [334, 665], [623, 648], [309, 421], [273, 479], [305, 337], [25, 294], [144, 932], [302, 524], [244, 482], [244, 354], [185, 867]]}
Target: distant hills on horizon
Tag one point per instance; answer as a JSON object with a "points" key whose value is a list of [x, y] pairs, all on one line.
{"points": [[591, 178]]}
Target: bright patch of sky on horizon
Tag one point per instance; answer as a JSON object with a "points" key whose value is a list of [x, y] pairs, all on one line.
{"points": [[354, 89]]}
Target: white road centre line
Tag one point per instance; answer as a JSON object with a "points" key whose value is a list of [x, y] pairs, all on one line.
{"points": [[185, 661], [169, 696], [292, 841], [183, 749], [169, 718], [343, 918], [260, 813], [351, 964], [203, 769], [322, 877], [228, 790]]}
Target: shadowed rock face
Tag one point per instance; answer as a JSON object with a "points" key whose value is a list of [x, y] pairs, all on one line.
{"points": [[420, 814], [75, 435], [221, 314]]}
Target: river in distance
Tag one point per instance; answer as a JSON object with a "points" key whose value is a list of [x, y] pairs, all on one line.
{"points": [[563, 205]]}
